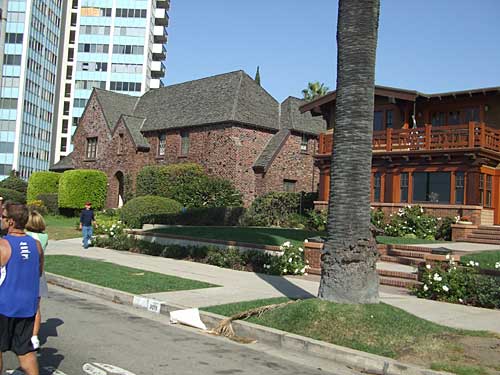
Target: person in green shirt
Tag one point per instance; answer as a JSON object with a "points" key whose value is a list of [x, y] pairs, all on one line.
{"points": [[36, 229]]}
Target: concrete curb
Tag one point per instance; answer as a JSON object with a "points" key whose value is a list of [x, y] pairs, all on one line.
{"points": [[358, 360]]}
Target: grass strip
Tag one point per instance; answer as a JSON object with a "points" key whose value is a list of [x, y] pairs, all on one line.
{"points": [[109, 275], [262, 236], [486, 259], [62, 228], [374, 328], [387, 240]]}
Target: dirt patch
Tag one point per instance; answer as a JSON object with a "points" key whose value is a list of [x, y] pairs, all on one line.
{"points": [[457, 351]]}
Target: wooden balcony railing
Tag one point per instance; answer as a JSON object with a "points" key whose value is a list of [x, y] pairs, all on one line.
{"points": [[429, 137]]}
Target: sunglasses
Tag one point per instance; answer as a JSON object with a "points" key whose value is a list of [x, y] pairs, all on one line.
{"points": [[5, 217]]}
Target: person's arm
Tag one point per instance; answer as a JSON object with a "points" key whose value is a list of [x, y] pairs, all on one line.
{"points": [[40, 253], [81, 219], [94, 223]]}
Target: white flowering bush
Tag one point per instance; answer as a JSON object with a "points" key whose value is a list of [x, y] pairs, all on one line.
{"points": [[112, 228], [456, 283], [411, 221], [290, 262]]}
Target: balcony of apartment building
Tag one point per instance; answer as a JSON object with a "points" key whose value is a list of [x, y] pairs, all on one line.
{"points": [[160, 34], [159, 52], [155, 83], [157, 69], [163, 4], [161, 17]]}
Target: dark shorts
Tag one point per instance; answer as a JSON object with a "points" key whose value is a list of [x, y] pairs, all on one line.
{"points": [[15, 334]]}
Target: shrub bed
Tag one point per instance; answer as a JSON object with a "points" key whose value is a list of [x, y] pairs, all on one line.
{"points": [[211, 216], [289, 261], [12, 195]]}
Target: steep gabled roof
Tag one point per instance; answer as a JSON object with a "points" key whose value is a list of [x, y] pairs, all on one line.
{"points": [[292, 119], [222, 98], [114, 105], [269, 152], [133, 125]]}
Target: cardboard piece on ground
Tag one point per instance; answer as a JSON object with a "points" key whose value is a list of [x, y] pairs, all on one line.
{"points": [[189, 317]]}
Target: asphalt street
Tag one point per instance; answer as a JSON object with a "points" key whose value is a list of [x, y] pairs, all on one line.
{"points": [[83, 331]]}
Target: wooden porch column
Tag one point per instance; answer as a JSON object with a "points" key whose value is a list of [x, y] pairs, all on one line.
{"points": [[324, 183], [496, 197], [388, 195], [388, 139], [428, 130]]}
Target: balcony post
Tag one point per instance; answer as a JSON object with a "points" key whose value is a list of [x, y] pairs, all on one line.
{"points": [[482, 135], [321, 143], [388, 139], [471, 134], [428, 131]]}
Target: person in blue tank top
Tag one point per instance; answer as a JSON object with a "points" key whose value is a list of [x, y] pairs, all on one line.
{"points": [[21, 264]]}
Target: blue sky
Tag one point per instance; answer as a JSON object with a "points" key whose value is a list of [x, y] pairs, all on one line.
{"points": [[426, 45]]}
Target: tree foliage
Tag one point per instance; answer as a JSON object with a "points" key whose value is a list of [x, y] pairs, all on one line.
{"points": [[314, 90]]}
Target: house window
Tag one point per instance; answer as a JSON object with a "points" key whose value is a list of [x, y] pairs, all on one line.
{"points": [[438, 118], [377, 179], [389, 119], [489, 183], [481, 189], [184, 143], [431, 187], [403, 187], [459, 187], [91, 148], [378, 120], [289, 186], [162, 140], [303, 143]]}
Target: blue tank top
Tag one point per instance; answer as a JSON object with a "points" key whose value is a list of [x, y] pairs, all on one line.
{"points": [[19, 289]]}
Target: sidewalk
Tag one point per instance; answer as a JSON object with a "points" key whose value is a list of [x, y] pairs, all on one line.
{"points": [[244, 286]]}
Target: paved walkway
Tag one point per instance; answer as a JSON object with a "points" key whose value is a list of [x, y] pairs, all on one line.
{"points": [[238, 286]]}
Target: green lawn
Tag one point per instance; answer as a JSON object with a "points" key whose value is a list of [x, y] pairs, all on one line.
{"points": [[403, 240], [113, 276], [377, 328], [263, 236], [61, 228], [486, 259]]}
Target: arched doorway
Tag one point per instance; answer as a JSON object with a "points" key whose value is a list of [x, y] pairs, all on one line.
{"points": [[120, 183]]}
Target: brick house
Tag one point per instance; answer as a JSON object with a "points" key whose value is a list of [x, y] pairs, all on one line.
{"points": [[227, 123], [441, 151]]}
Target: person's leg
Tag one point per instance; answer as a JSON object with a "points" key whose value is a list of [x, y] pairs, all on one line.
{"points": [[85, 231], [36, 327], [29, 363]]}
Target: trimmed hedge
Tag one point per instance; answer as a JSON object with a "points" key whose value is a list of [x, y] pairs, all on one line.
{"points": [[212, 216], [42, 183], [140, 210], [12, 195], [272, 209], [187, 184], [81, 185]]}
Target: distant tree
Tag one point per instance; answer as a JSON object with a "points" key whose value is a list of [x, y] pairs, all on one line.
{"points": [[257, 76], [314, 90]]}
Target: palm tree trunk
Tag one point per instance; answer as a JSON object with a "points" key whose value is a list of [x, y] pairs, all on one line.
{"points": [[348, 262]]}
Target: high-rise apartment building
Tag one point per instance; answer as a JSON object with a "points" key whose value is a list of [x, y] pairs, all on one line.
{"points": [[117, 45], [29, 43]]}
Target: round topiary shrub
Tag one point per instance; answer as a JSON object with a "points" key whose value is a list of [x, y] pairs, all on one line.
{"points": [[141, 210], [42, 183], [12, 195], [81, 185]]}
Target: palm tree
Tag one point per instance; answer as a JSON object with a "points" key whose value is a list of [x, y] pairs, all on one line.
{"points": [[314, 90], [348, 263]]}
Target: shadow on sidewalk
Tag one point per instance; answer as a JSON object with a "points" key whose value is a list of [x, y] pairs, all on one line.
{"points": [[285, 287]]}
